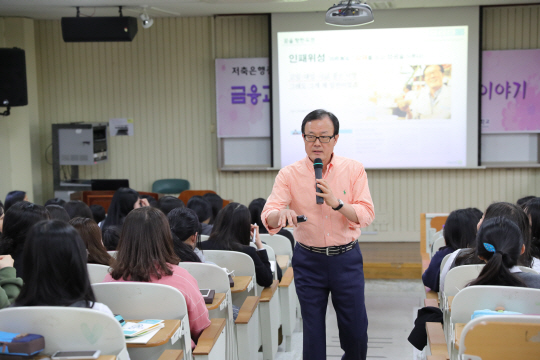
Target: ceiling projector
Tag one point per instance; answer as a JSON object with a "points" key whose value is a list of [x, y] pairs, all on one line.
{"points": [[349, 13]]}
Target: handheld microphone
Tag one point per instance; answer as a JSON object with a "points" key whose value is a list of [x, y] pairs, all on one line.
{"points": [[318, 165]]}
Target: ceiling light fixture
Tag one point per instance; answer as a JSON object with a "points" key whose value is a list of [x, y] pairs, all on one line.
{"points": [[349, 13], [146, 20]]}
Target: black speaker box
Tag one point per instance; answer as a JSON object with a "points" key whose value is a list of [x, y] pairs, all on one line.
{"points": [[13, 77], [85, 29]]}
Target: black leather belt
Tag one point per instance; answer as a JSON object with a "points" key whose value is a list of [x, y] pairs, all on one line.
{"points": [[330, 250]]}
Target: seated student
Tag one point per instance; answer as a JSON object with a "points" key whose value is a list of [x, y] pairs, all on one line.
{"points": [[10, 285], [203, 209], [459, 233], [255, 209], [217, 204], [98, 212], [469, 256], [522, 201], [55, 268], [233, 231], [57, 212], [110, 237], [91, 235], [76, 208], [146, 253], [55, 201], [499, 244], [185, 229], [123, 201], [151, 200], [17, 222], [14, 197], [168, 203], [532, 209]]}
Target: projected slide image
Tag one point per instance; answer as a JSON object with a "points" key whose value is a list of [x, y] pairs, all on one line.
{"points": [[400, 94]]}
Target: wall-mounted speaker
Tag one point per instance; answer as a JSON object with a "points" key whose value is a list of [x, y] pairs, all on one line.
{"points": [[13, 77], [86, 29]]}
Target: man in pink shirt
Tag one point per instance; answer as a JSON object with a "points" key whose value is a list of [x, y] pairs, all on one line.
{"points": [[327, 258]]}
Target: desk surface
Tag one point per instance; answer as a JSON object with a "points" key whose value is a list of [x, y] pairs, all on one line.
{"points": [[241, 283], [218, 299], [162, 337], [283, 261]]}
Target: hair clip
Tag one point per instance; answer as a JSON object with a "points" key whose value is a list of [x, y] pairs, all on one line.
{"points": [[489, 247]]}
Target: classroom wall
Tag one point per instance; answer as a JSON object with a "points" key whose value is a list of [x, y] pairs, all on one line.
{"points": [[164, 80]]}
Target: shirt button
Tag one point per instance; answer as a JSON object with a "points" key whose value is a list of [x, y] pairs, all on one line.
{"points": [[328, 234], [327, 216]]}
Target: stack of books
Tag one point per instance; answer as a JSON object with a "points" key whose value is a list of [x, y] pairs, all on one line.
{"points": [[141, 332]]}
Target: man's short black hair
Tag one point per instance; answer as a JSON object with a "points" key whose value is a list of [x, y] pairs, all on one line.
{"points": [[320, 114]]}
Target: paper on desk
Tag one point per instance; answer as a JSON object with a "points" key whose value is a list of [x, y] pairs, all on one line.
{"points": [[143, 339]]}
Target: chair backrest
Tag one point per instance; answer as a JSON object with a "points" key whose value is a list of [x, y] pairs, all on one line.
{"points": [[500, 338], [205, 237], [511, 298], [444, 260], [67, 328], [270, 251], [437, 244], [241, 263], [170, 186], [97, 272], [280, 244], [438, 222], [458, 277], [141, 300], [208, 276], [528, 269], [113, 253], [187, 194]]}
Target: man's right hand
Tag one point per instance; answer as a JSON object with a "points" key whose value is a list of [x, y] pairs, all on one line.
{"points": [[280, 218]]}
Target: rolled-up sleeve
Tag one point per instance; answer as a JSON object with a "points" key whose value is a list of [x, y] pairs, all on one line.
{"points": [[362, 203], [278, 200]]}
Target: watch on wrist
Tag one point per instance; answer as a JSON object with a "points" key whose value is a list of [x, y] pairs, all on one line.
{"points": [[339, 206]]}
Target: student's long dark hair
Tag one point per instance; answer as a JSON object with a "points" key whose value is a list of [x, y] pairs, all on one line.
{"points": [[54, 264], [518, 216], [184, 223], [232, 228], [122, 203], [503, 237], [17, 222], [217, 204], [145, 248], [255, 209], [532, 209], [91, 235], [460, 229]]}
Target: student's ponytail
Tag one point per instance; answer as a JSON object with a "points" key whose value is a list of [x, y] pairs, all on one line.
{"points": [[499, 243]]}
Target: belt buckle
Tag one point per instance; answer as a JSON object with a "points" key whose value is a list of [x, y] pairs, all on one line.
{"points": [[327, 251]]}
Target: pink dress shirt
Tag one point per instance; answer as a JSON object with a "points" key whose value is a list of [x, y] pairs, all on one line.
{"points": [[295, 187], [182, 280]]}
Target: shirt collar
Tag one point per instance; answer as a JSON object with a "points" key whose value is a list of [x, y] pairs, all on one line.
{"points": [[309, 163]]}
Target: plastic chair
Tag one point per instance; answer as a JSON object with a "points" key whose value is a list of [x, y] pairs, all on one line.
{"points": [[215, 278], [113, 253], [437, 244], [170, 186], [527, 269], [67, 328], [205, 237], [97, 272], [280, 244], [140, 300], [516, 338]]}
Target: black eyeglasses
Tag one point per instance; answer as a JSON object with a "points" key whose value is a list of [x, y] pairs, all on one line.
{"points": [[322, 139]]}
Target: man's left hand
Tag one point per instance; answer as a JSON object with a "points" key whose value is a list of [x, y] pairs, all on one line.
{"points": [[327, 193]]}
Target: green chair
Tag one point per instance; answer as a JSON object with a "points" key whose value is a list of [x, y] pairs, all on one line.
{"points": [[170, 186]]}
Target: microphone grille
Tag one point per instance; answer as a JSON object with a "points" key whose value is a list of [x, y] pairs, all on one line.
{"points": [[317, 163]]}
